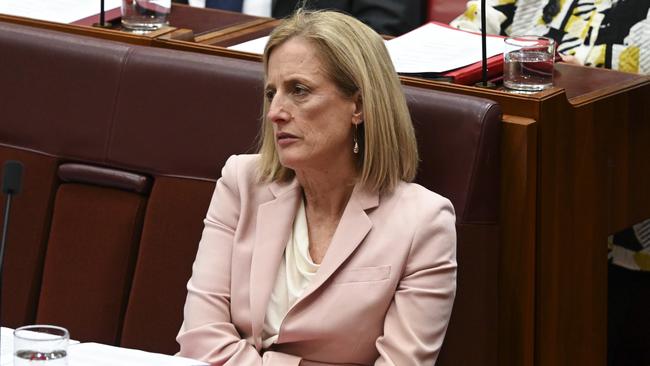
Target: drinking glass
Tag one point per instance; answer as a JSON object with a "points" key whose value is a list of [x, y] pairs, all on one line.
{"points": [[528, 63], [45, 345], [142, 16]]}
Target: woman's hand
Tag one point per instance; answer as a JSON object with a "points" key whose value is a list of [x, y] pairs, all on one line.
{"points": [[569, 59]]}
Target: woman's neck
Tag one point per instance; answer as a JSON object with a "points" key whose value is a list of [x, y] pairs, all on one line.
{"points": [[327, 193]]}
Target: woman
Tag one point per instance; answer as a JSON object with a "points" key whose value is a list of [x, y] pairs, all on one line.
{"points": [[317, 251]]}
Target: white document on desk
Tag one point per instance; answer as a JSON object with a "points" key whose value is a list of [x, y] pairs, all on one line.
{"points": [[430, 48], [253, 46], [95, 354], [7, 349], [61, 11], [438, 48]]}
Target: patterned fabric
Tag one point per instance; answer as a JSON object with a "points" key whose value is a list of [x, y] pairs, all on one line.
{"points": [[630, 248], [603, 33]]}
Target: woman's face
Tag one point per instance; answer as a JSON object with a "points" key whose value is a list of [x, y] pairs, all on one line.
{"points": [[312, 120]]}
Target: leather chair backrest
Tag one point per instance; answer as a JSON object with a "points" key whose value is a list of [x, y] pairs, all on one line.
{"points": [[55, 104], [91, 250]]}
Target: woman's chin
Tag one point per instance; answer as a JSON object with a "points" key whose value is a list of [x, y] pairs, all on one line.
{"points": [[290, 161]]}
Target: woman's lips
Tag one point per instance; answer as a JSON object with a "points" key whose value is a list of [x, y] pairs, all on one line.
{"points": [[285, 139]]}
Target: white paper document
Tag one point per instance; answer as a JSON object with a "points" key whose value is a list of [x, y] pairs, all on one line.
{"points": [[95, 354], [253, 46], [437, 48], [430, 48], [7, 349], [61, 11]]}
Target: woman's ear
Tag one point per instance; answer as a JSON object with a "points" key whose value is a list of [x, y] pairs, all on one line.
{"points": [[357, 116]]}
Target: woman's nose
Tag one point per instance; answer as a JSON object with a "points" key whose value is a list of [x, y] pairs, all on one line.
{"points": [[277, 111]]}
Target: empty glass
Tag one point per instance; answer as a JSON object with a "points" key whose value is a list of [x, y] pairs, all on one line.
{"points": [[145, 15], [528, 63], [41, 345]]}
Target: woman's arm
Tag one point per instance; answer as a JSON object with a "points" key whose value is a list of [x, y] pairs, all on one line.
{"points": [[417, 318], [207, 333]]}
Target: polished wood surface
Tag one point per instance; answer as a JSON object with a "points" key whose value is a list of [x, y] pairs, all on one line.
{"points": [[575, 168], [517, 255], [203, 21], [103, 33], [584, 149], [593, 174]]}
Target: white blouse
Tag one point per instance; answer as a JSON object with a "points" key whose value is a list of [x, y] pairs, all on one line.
{"points": [[294, 275]]}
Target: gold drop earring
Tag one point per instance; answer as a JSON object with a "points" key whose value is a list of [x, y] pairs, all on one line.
{"points": [[355, 149]]}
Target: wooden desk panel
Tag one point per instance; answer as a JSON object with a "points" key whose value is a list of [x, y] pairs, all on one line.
{"points": [[202, 21], [593, 174], [517, 251]]}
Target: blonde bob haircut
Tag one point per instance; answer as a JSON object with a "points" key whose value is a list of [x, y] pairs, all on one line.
{"points": [[356, 60]]}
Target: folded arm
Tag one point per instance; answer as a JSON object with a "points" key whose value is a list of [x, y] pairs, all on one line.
{"points": [[207, 333], [418, 316]]}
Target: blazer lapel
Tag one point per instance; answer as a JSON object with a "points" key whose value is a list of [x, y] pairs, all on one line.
{"points": [[274, 224], [352, 229]]}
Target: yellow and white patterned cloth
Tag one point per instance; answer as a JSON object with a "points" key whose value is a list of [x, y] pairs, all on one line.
{"points": [[630, 248], [603, 33]]}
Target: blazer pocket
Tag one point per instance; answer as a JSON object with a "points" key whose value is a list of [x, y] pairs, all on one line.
{"points": [[363, 274]]}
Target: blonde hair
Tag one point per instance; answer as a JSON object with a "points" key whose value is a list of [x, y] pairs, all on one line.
{"points": [[356, 60]]}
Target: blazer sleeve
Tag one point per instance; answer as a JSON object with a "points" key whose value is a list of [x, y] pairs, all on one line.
{"points": [[207, 333], [417, 318]]}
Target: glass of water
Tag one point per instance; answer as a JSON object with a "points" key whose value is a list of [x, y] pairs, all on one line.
{"points": [[41, 345], [528, 63], [143, 16]]}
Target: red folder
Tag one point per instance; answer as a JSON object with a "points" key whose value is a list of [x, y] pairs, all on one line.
{"points": [[472, 74]]}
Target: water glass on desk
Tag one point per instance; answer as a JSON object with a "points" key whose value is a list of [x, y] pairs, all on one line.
{"points": [[45, 345], [528, 63], [145, 15]]}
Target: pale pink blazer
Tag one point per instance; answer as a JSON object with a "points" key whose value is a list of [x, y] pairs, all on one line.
{"points": [[382, 296]]}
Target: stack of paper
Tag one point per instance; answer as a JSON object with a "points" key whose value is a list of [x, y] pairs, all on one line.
{"points": [[7, 349], [96, 354], [439, 48], [61, 11], [432, 48]]}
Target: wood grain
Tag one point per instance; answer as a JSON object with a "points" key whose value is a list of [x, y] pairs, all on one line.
{"points": [[517, 251]]}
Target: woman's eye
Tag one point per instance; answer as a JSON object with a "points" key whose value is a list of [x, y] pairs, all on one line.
{"points": [[269, 95], [299, 90]]}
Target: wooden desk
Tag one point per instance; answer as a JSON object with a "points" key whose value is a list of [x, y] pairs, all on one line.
{"points": [[576, 168], [592, 179]]}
